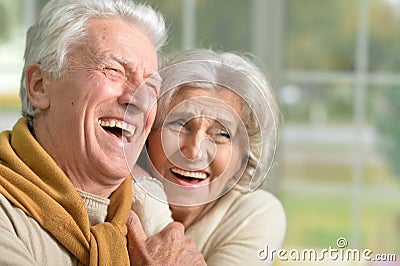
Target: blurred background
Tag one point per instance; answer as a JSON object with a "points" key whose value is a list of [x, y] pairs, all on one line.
{"points": [[335, 65]]}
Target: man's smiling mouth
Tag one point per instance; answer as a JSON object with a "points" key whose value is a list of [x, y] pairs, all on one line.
{"points": [[118, 128]]}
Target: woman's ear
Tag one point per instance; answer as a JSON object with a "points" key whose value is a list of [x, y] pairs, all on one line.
{"points": [[35, 86]]}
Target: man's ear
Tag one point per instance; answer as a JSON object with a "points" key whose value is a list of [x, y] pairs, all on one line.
{"points": [[35, 86]]}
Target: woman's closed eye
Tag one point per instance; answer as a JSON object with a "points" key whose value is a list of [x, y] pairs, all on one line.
{"points": [[176, 125], [220, 135]]}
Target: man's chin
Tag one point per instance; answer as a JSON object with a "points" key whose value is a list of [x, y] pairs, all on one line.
{"points": [[116, 172]]}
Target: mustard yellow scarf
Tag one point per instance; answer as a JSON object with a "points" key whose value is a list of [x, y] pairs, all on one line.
{"points": [[31, 180]]}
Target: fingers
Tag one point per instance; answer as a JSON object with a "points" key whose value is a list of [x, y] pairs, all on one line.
{"points": [[169, 247], [173, 231], [135, 229], [136, 240], [178, 249]]}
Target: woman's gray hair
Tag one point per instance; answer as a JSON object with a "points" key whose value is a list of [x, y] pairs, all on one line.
{"points": [[207, 69], [61, 26]]}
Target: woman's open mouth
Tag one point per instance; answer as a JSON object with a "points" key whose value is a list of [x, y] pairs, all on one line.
{"points": [[189, 178]]}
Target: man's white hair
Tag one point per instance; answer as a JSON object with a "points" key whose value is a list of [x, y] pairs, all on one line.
{"points": [[61, 26]]}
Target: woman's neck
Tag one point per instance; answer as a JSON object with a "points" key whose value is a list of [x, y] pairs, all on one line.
{"points": [[187, 215]]}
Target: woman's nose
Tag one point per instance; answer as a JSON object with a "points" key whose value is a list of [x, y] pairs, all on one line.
{"points": [[190, 144]]}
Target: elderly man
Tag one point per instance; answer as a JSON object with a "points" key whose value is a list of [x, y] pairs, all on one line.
{"points": [[65, 197]]}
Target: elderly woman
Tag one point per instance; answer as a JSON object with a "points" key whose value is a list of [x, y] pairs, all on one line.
{"points": [[211, 146]]}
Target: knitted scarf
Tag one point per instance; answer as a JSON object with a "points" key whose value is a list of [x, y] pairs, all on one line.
{"points": [[33, 182]]}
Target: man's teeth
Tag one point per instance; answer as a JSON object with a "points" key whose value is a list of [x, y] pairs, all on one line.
{"points": [[128, 130], [197, 175]]}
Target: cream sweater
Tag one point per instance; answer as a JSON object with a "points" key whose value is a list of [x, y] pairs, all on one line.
{"points": [[231, 232], [239, 225]]}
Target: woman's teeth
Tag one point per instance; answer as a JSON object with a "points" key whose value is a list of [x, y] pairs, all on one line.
{"points": [[127, 129], [188, 174]]}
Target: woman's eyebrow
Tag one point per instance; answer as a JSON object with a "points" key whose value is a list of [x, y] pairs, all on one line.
{"points": [[226, 121], [184, 115]]}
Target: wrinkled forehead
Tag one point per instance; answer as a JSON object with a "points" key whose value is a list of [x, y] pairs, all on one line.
{"points": [[208, 98], [205, 106]]}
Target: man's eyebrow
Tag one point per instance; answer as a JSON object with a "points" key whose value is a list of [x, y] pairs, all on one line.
{"points": [[120, 60], [153, 79], [128, 63]]}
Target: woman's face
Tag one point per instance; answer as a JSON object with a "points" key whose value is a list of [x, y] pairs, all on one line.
{"points": [[199, 146]]}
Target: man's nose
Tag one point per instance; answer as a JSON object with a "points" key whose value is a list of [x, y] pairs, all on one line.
{"points": [[129, 88]]}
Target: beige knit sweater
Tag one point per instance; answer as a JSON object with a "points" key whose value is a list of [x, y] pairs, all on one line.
{"points": [[231, 233], [239, 225]]}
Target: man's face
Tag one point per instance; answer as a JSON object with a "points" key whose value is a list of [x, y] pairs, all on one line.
{"points": [[85, 127]]}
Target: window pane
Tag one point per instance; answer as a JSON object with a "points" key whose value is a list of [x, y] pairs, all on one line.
{"points": [[224, 24], [321, 34], [172, 12], [11, 53], [384, 112], [319, 104], [384, 35]]}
